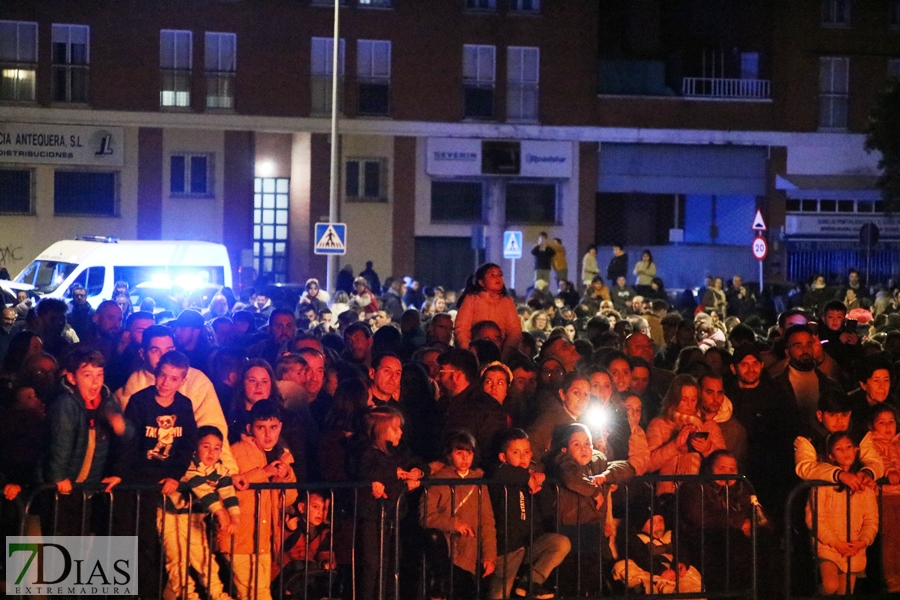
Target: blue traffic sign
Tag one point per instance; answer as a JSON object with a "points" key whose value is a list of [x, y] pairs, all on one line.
{"points": [[512, 244], [331, 238]]}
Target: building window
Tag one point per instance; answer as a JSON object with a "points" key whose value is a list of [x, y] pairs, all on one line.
{"points": [[16, 191], [191, 175], [328, 3], [836, 13], [320, 70], [374, 3], [894, 68], [373, 76], [456, 201], [364, 180], [481, 4], [70, 63], [175, 63], [220, 62], [18, 60], [834, 206], [271, 208], [531, 203], [85, 193], [894, 17], [522, 75], [833, 91], [479, 74], [525, 6]]}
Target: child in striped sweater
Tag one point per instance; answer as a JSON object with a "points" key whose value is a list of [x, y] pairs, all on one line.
{"points": [[209, 488]]}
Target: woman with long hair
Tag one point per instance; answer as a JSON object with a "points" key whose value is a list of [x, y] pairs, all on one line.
{"points": [[487, 299], [679, 437]]}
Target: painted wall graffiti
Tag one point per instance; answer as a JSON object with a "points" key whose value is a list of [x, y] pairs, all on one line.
{"points": [[10, 254]]}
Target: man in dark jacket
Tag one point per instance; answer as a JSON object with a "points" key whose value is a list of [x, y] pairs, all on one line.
{"points": [[392, 301], [466, 406], [618, 264]]}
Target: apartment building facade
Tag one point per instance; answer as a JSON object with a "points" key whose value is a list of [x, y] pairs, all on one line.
{"points": [[660, 124]]}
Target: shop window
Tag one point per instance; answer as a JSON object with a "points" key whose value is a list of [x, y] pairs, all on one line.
{"points": [[16, 191], [456, 201], [531, 203], [85, 193]]}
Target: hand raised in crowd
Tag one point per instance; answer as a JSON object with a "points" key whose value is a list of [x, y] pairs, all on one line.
{"points": [[11, 490], [112, 482]]}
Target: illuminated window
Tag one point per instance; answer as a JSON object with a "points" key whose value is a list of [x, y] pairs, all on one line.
{"points": [[18, 60], [220, 62], [271, 209], [320, 70], [522, 76], [175, 63]]}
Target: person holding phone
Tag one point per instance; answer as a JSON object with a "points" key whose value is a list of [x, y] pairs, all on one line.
{"points": [[679, 437]]}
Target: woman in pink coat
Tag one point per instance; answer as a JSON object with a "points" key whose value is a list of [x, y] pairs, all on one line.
{"points": [[487, 299], [679, 438]]}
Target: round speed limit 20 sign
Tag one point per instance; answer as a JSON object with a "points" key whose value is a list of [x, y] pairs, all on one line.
{"points": [[760, 248]]}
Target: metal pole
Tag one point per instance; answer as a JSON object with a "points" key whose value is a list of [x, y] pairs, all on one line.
{"points": [[513, 274], [760, 277], [332, 196]]}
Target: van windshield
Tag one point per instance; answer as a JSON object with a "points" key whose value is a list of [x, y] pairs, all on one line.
{"points": [[46, 275]]}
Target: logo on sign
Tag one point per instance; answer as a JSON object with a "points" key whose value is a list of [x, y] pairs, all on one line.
{"points": [[71, 565]]}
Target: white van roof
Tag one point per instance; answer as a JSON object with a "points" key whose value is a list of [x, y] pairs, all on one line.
{"points": [[136, 253]]}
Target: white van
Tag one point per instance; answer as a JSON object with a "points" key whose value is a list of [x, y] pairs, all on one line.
{"points": [[97, 263]]}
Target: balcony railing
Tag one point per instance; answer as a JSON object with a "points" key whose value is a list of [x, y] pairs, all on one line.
{"points": [[716, 87]]}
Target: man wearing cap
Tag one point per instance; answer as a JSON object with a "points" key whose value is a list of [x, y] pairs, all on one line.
{"points": [[191, 338]]}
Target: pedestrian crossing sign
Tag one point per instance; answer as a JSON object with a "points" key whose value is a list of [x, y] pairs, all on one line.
{"points": [[331, 238], [512, 244]]}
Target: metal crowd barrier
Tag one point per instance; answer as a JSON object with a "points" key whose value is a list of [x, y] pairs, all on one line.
{"points": [[801, 545], [339, 576]]}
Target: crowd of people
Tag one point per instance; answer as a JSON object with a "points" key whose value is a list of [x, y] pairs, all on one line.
{"points": [[558, 401]]}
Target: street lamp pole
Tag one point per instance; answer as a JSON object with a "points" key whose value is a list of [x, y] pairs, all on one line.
{"points": [[332, 196]]}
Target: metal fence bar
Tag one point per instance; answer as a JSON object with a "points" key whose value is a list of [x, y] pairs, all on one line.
{"points": [[581, 575]]}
